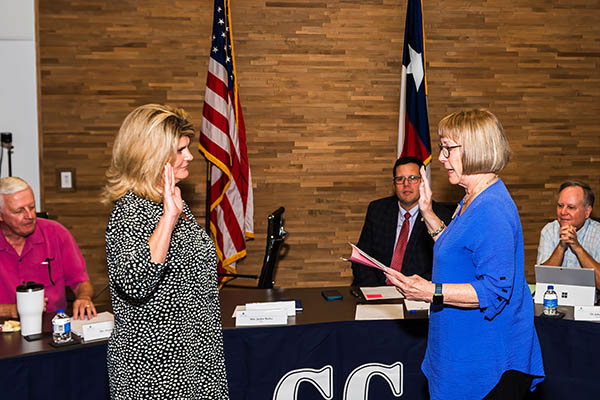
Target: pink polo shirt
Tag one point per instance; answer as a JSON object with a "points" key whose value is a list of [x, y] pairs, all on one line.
{"points": [[50, 241]]}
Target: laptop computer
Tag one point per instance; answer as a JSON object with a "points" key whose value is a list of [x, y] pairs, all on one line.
{"points": [[574, 286]]}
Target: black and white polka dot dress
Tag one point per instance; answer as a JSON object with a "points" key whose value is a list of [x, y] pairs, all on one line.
{"points": [[167, 341]]}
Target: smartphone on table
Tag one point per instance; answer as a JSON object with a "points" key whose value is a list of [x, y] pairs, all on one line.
{"points": [[331, 295]]}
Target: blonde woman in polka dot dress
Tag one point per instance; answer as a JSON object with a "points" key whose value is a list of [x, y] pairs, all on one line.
{"points": [[167, 341]]}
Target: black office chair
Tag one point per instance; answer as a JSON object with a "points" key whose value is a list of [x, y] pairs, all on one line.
{"points": [[275, 237]]}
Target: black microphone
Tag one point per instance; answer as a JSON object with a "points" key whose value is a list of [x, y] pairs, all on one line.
{"points": [[6, 137]]}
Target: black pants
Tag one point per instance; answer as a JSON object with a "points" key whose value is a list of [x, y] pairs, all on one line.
{"points": [[513, 385]]}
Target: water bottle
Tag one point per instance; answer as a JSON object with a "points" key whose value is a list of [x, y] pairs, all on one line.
{"points": [[61, 327], [550, 301]]}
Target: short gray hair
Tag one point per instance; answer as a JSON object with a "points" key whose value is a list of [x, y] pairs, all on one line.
{"points": [[588, 194], [484, 144], [11, 185]]}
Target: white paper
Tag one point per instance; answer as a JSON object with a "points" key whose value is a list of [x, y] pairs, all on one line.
{"points": [[381, 293], [289, 306], [261, 317], [378, 311], [413, 305]]}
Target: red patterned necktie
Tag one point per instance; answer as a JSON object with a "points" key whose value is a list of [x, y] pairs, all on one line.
{"points": [[401, 244]]}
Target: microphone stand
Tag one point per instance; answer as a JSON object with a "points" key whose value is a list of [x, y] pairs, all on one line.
{"points": [[6, 140]]}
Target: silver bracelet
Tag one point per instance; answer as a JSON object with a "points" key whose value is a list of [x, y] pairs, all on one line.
{"points": [[438, 230]]}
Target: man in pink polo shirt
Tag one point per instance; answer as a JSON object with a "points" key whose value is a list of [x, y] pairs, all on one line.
{"points": [[38, 250]]}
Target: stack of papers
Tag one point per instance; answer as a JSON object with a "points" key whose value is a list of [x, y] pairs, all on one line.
{"points": [[414, 305], [379, 311], [381, 293], [266, 313]]}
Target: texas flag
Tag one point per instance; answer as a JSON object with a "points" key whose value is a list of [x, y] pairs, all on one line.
{"points": [[413, 125]]}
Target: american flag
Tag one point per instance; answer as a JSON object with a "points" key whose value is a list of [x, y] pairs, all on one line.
{"points": [[413, 129], [223, 143]]}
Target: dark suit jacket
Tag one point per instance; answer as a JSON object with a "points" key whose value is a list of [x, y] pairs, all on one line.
{"points": [[378, 240]]}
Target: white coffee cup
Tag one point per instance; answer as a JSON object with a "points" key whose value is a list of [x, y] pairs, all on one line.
{"points": [[30, 305]]}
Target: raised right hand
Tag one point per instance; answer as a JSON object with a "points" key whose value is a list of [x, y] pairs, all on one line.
{"points": [[172, 206], [172, 201], [425, 193]]}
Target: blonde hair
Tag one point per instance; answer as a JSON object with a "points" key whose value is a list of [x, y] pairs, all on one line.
{"points": [[146, 141], [484, 145], [11, 185]]}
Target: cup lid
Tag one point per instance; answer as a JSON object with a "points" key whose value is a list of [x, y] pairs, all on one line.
{"points": [[30, 286]]}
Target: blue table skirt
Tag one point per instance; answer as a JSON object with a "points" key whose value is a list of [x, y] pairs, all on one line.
{"points": [[258, 358]]}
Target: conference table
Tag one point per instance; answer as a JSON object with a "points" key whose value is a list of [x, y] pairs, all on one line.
{"points": [[322, 353]]}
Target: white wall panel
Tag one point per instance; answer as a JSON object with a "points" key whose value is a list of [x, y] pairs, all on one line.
{"points": [[18, 90]]}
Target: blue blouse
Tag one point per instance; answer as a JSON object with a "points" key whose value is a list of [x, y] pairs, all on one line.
{"points": [[468, 350]]}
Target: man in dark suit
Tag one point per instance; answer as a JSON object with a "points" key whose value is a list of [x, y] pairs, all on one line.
{"points": [[383, 223]]}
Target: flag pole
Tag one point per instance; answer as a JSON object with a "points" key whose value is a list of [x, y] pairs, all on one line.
{"points": [[208, 182], [413, 122], [222, 122]]}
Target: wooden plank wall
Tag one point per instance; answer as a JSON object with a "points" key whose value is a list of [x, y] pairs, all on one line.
{"points": [[319, 84]]}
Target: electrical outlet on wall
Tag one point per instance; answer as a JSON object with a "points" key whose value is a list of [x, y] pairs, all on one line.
{"points": [[65, 179]]}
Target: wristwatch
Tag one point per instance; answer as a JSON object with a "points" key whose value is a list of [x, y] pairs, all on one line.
{"points": [[438, 297]]}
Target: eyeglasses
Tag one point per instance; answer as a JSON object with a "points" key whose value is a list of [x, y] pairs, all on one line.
{"points": [[411, 180], [445, 150]]}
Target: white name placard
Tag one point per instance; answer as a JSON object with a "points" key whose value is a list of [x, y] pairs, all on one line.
{"points": [[586, 313], [261, 317], [289, 306], [99, 330], [99, 327]]}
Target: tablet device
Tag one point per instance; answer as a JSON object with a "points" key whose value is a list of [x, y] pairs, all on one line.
{"points": [[574, 286]]}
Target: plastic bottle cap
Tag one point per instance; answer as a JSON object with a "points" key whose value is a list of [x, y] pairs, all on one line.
{"points": [[550, 287], [60, 310]]}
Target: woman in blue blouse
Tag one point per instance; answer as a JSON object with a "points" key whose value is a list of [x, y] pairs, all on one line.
{"points": [[482, 342]]}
